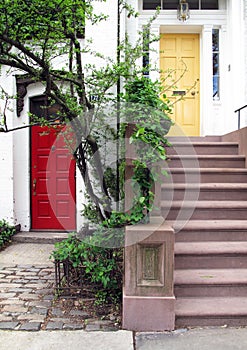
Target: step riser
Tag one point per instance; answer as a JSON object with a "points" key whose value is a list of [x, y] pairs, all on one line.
{"points": [[206, 178], [202, 149], [240, 195], [211, 262], [196, 291], [183, 322], [205, 214], [211, 236], [206, 163]]}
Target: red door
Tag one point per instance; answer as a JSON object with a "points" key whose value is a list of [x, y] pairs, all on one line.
{"points": [[52, 181]]}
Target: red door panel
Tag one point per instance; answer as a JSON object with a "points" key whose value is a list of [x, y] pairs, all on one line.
{"points": [[52, 181]]}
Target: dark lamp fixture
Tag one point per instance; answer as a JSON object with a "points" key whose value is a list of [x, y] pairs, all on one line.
{"points": [[183, 10]]}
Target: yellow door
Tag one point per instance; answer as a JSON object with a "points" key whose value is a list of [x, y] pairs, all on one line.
{"points": [[179, 63]]}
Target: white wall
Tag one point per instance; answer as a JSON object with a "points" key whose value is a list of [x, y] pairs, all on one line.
{"points": [[6, 156]]}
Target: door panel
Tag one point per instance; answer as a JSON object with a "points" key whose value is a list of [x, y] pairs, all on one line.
{"points": [[180, 71], [52, 181]]}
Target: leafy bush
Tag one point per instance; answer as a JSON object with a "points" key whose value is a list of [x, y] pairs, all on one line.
{"points": [[101, 267], [6, 232]]}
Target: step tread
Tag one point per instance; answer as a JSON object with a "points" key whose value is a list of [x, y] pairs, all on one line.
{"points": [[207, 156], [208, 170], [207, 248], [39, 237], [206, 186], [204, 143], [209, 307], [199, 225], [204, 204], [210, 276]]}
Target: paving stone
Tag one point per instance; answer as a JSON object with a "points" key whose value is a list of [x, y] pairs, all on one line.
{"points": [[32, 278], [29, 296], [30, 326], [14, 308], [31, 317], [8, 325], [5, 318], [48, 297], [57, 312], [37, 285], [60, 319], [40, 303], [73, 326], [13, 301], [52, 326], [7, 295], [13, 277], [80, 313], [43, 273], [9, 285], [39, 310], [7, 272], [25, 273], [21, 290], [34, 269], [43, 291], [22, 266], [92, 327], [23, 281]]}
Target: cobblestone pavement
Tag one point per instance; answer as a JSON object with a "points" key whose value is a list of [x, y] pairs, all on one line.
{"points": [[27, 300]]}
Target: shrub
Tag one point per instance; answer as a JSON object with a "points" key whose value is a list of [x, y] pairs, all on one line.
{"points": [[99, 266], [6, 232]]}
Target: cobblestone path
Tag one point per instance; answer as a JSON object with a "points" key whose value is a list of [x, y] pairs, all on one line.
{"points": [[27, 302]]}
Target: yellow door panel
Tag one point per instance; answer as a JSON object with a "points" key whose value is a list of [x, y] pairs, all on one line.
{"points": [[180, 74]]}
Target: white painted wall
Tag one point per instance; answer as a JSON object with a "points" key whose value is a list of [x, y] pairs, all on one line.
{"points": [[6, 157]]}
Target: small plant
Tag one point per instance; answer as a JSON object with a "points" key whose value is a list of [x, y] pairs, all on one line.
{"points": [[6, 232], [99, 267]]}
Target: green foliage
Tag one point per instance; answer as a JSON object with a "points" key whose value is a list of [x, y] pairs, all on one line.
{"points": [[101, 267], [6, 232]]}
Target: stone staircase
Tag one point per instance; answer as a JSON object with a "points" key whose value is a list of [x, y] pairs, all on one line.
{"points": [[205, 200]]}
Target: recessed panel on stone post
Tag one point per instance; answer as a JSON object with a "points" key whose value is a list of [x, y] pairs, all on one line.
{"points": [[150, 265]]}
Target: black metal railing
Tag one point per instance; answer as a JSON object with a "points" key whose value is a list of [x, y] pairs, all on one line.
{"points": [[239, 112]]}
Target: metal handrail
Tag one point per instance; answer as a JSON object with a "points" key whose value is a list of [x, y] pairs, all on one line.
{"points": [[239, 110]]}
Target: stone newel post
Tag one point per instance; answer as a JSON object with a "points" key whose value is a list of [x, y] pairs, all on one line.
{"points": [[148, 300]]}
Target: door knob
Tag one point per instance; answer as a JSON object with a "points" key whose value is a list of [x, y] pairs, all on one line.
{"points": [[34, 186], [193, 93]]}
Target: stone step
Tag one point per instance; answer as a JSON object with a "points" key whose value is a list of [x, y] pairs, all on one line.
{"points": [[41, 237], [220, 311], [213, 230], [192, 139], [210, 282], [206, 161], [204, 210], [211, 255], [205, 175], [208, 148], [204, 191]]}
